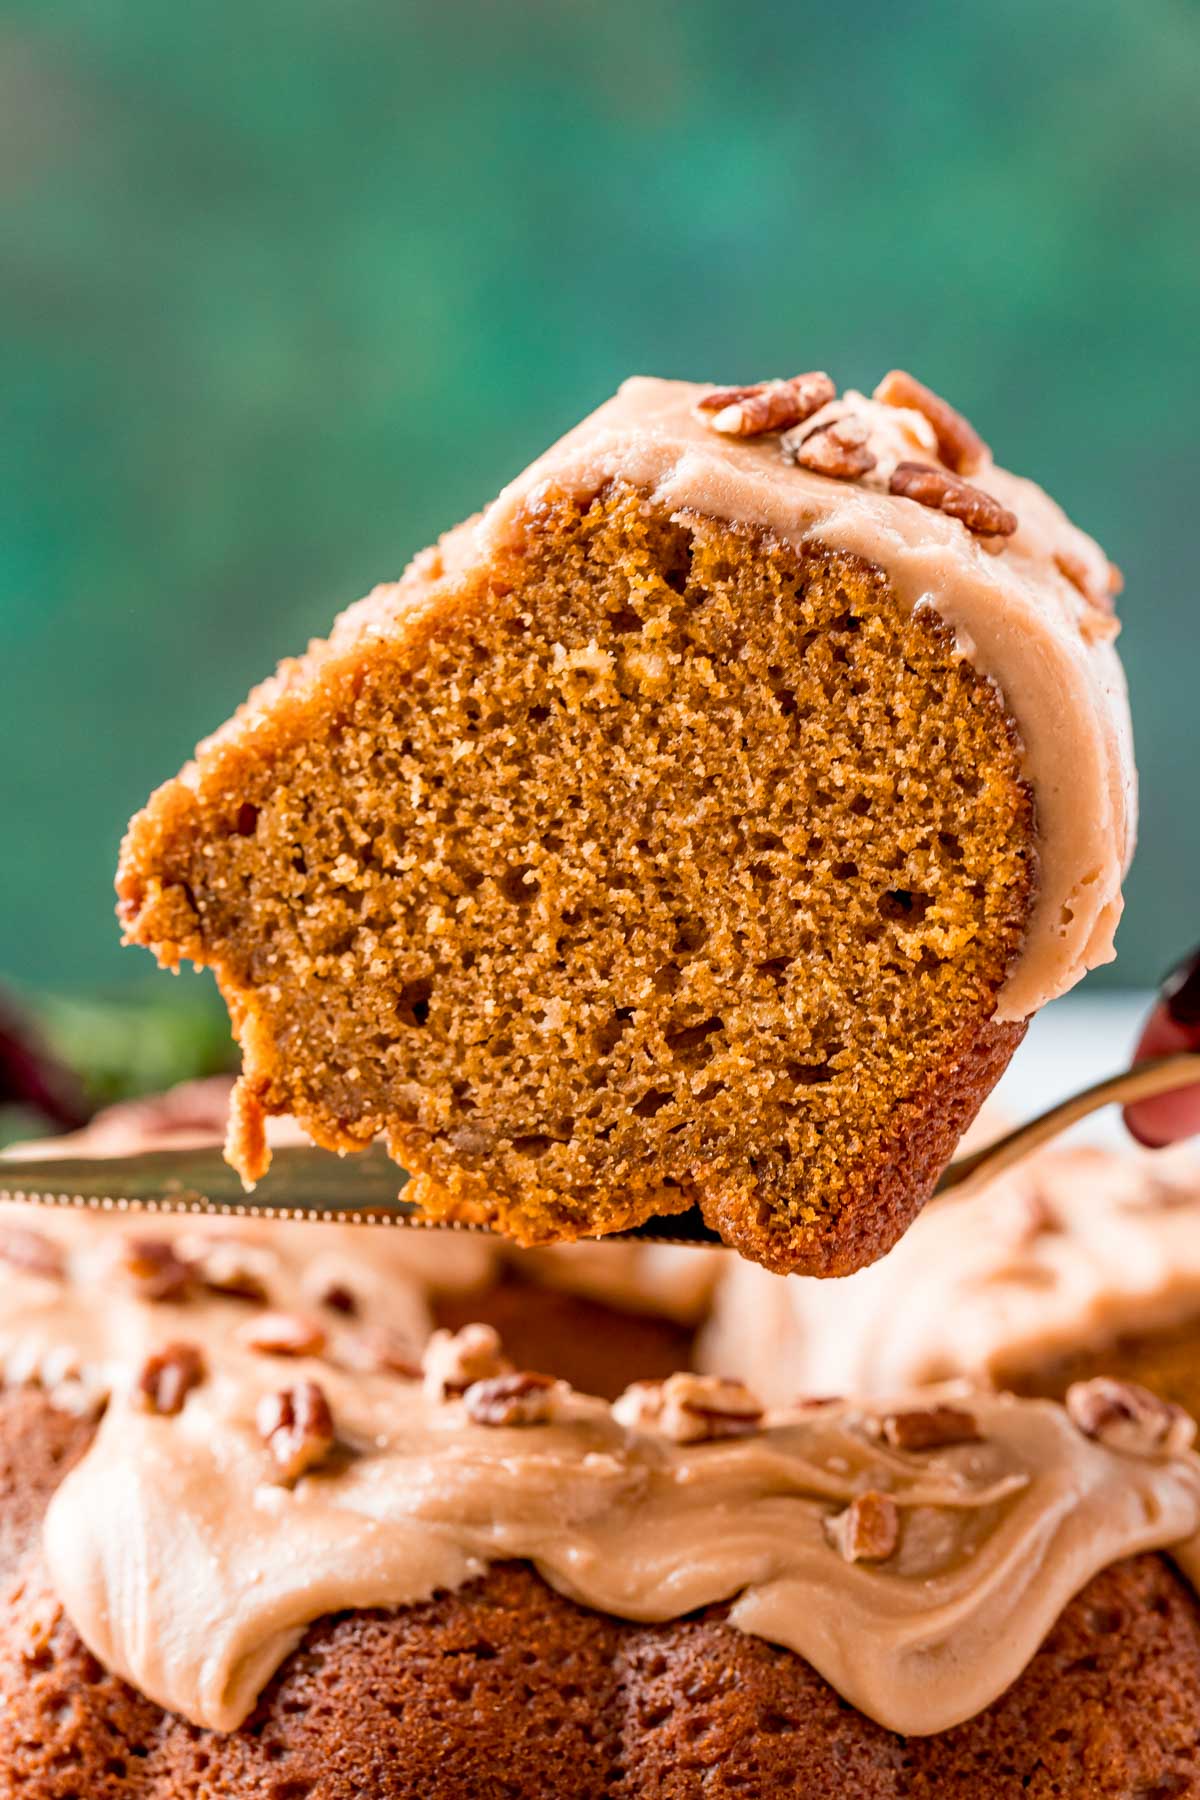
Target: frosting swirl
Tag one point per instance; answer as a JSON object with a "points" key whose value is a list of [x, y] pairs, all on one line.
{"points": [[188, 1570]]}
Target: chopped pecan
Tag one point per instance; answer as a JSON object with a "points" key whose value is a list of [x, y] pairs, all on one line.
{"points": [[868, 1530], [767, 405], [32, 1252], [167, 1378], [282, 1334], [521, 1399], [838, 449], [717, 399], [640, 1407], [297, 1427], [1096, 626], [959, 444], [1077, 572], [930, 1428], [454, 1360], [947, 493], [689, 1409], [378, 1350], [1124, 1416], [155, 1269]]}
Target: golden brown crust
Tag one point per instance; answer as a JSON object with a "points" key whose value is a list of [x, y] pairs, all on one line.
{"points": [[658, 862], [925, 1133], [505, 1689]]}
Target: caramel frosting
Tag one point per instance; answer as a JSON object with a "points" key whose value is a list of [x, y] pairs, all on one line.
{"points": [[1070, 1250], [81, 1321], [190, 1571], [1027, 611], [915, 1549]]}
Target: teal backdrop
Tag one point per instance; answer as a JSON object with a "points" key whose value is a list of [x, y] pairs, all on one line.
{"points": [[290, 288]]}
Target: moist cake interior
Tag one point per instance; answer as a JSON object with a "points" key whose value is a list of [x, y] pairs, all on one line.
{"points": [[673, 864]]}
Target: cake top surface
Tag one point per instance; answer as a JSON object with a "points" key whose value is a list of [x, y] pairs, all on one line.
{"points": [[261, 1462], [1072, 1248], [1031, 606]]}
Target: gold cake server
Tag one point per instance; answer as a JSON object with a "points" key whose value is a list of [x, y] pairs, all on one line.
{"points": [[367, 1189]]}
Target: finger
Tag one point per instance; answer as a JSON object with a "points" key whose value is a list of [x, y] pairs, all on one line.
{"points": [[1173, 1025]]}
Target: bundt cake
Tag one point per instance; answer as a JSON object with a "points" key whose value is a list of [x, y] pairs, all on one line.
{"points": [[245, 1550], [1081, 1261], [699, 825]]}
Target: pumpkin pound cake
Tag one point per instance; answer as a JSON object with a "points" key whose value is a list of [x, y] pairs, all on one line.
{"points": [[699, 825], [253, 1552]]}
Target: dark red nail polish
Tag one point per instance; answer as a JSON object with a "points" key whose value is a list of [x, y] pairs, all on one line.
{"points": [[1181, 990]]}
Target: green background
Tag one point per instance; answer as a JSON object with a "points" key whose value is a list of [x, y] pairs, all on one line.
{"points": [[289, 289]]}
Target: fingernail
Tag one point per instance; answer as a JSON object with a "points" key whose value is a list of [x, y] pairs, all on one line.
{"points": [[1180, 990]]}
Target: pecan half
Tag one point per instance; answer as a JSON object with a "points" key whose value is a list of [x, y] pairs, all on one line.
{"points": [[930, 1428], [167, 1377], [155, 1269], [282, 1334], [689, 1409], [454, 1360], [1124, 1416], [868, 1530], [947, 493], [1078, 573], [838, 449], [297, 1427], [767, 405], [959, 444], [524, 1399], [32, 1252], [1097, 627]]}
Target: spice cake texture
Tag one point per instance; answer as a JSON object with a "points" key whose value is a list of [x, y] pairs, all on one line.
{"points": [[698, 826]]}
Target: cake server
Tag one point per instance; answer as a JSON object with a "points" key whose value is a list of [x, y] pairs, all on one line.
{"points": [[367, 1189]]}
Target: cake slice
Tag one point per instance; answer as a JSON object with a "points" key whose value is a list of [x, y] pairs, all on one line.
{"points": [[699, 825]]}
